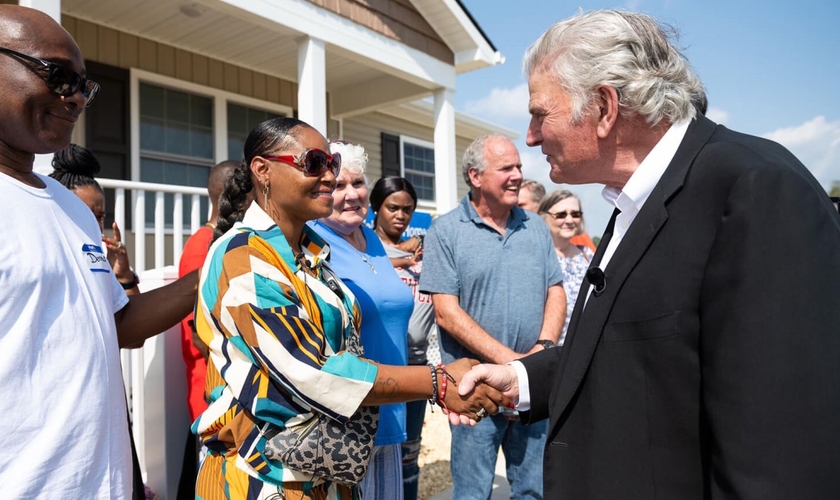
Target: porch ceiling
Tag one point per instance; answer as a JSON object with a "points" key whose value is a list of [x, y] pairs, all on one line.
{"points": [[224, 33]]}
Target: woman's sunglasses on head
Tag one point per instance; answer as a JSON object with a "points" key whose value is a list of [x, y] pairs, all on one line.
{"points": [[62, 81], [313, 162]]}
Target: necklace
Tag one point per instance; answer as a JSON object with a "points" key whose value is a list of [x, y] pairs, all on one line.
{"points": [[361, 254]]}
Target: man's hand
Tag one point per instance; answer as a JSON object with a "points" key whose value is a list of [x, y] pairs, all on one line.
{"points": [[469, 407], [501, 377]]}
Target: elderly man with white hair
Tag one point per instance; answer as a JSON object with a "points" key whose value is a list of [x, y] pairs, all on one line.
{"points": [[702, 357]]}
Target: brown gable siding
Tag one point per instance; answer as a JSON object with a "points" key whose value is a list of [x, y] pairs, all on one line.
{"points": [[102, 44], [396, 19]]}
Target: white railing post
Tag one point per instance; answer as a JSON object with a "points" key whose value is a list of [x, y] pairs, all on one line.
{"points": [[195, 214], [139, 223], [160, 233], [177, 227]]}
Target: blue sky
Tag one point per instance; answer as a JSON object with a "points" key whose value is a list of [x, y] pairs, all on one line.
{"points": [[771, 68]]}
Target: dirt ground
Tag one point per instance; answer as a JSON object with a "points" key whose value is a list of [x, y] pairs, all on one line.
{"points": [[434, 455]]}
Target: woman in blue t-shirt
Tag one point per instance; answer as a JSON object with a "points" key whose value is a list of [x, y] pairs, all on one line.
{"points": [[360, 260]]}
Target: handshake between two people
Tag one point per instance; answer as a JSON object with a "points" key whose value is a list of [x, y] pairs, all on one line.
{"points": [[482, 389]]}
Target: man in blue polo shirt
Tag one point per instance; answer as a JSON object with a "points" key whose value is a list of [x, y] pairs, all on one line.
{"points": [[497, 290]]}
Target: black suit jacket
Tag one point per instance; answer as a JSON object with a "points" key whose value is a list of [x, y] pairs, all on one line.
{"points": [[709, 367]]}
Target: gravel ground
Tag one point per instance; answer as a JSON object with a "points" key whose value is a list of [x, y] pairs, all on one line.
{"points": [[434, 455]]}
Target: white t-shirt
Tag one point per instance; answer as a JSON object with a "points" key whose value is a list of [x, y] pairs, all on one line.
{"points": [[63, 422]]}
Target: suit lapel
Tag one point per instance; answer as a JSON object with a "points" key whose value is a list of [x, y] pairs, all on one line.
{"points": [[587, 325]]}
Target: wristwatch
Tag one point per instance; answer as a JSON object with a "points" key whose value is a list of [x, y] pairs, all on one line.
{"points": [[131, 284], [547, 344]]}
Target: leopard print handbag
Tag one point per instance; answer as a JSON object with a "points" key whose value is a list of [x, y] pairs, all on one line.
{"points": [[327, 448]]}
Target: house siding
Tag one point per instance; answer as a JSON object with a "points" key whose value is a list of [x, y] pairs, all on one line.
{"points": [[123, 50], [367, 130], [395, 19]]}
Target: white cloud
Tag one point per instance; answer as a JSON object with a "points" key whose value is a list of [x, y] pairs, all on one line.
{"points": [[632, 5], [717, 115], [817, 144], [502, 103]]}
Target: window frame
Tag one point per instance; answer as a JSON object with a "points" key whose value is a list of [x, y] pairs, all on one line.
{"points": [[414, 141], [219, 98]]}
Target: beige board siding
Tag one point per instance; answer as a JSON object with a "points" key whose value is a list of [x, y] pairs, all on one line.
{"points": [[367, 130], [395, 19], [105, 45]]}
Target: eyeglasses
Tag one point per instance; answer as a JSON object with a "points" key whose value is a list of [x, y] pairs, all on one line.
{"points": [[313, 162], [577, 214], [62, 81]]}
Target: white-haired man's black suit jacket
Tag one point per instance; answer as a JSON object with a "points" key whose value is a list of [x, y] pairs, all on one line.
{"points": [[709, 366]]}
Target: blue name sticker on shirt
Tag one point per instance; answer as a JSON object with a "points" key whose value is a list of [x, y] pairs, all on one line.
{"points": [[96, 258]]}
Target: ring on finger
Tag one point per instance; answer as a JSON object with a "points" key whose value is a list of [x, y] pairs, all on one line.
{"points": [[120, 244], [481, 413]]}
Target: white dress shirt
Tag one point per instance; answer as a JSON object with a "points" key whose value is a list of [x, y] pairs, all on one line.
{"points": [[630, 201]]}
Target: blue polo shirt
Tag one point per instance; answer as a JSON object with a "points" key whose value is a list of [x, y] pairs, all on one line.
{"points": [[501, 281]]}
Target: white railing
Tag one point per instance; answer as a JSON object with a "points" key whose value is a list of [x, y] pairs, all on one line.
{"points": [[139, 225], [160, 461]]}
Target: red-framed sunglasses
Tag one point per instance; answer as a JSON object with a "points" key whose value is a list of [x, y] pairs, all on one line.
{"points": [[313, 162]]}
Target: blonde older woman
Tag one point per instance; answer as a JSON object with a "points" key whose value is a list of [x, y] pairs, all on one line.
{"points": [[561, 211], [360, 260]]}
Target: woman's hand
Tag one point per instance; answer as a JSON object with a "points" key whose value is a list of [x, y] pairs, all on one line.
{"points": [[480, 401], [118, 256]]}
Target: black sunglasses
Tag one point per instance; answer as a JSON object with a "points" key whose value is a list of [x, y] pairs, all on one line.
{"points": [[63, 81], [313, 162], [576, 214]]}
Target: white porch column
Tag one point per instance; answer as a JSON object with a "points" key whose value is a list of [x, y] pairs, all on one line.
{"points": [[43, 163], [50, 7], [446, 166], [312, 83]]}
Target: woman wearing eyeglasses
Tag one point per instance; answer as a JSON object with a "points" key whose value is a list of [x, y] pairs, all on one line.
{"points": [[561, 211], [362, 262], [277, 325]]}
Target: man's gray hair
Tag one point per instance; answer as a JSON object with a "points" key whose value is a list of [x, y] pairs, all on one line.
{"points": [[629, 52], [474, 155], [535, 188]]}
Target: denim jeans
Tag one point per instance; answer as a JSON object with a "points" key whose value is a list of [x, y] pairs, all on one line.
{"points": [[415, 412], [474, 454]]}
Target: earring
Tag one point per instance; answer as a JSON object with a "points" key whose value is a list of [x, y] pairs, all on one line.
{"points": [[265, 194]]}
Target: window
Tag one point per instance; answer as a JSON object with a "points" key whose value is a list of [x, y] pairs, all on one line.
{"points": [[418, 166], [176, 142], [184, 129], [241, 121]]}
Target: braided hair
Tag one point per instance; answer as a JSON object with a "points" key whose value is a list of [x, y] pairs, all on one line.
{"points": [[75, 167], [268, 137]]}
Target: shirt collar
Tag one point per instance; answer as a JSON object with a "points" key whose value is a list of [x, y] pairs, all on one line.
{"points": [[469, 213], [314, 248], [635, 193]]}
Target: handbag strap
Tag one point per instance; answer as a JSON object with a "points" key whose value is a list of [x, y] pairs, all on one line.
{"points": [[352, 343]]}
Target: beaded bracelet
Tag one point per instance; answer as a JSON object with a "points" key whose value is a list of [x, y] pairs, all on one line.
{"points": [[445, 377], [440, 400], [435, 396]]}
